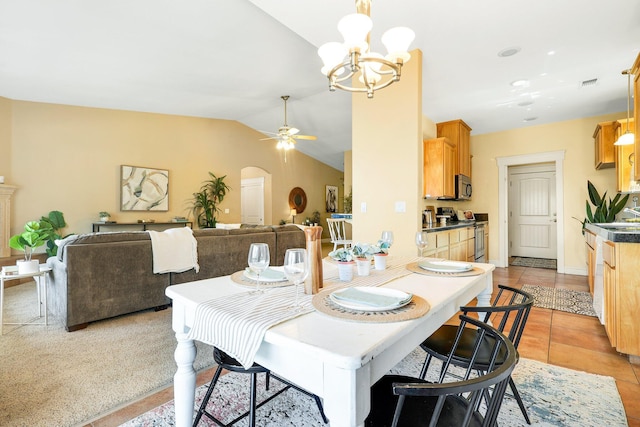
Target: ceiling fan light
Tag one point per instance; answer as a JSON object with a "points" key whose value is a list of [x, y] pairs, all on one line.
{"points": [[397, 41], [626, 138], [332, 54], [279, 145], [354, 28]]}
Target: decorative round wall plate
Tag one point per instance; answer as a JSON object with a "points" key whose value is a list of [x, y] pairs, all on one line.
{"points": [[298, 200]]}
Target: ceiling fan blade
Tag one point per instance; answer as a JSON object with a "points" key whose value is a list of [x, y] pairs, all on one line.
{"points": [[293, 131], [271, 137], [309, 137]]}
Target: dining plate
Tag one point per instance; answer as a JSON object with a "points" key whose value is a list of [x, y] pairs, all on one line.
{"points": [[446, 266], [271, 274], [370, 298]]}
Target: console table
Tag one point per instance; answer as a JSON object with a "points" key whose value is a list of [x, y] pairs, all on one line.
{"points": [[144, 225]]}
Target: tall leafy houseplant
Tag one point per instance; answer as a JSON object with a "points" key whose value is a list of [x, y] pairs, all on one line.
{"points": [[206, 201], [604, 211], [39, 233], [35, 234]]}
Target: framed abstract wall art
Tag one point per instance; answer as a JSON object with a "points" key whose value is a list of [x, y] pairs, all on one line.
{"points": [[144, 189]]}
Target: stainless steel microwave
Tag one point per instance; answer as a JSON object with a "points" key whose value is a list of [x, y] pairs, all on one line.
{"points": [[463, 187]]}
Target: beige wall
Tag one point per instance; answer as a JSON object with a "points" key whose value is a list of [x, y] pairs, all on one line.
{"points": [[5, 138], [68, 158], [387, 159], [575, 137]]}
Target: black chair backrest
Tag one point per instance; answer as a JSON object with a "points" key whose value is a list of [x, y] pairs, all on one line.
{"points": [[490, 384], [509, 304]]}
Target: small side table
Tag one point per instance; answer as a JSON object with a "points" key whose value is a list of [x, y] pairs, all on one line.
{"points": [[40, 277]]}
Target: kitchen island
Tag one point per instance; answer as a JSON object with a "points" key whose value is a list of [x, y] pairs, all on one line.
{"points": [[619, 289]]}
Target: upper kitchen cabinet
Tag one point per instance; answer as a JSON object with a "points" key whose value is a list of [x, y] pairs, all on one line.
{"points": [[459, 133], [439, 164], [604, 137], [624, 157]]}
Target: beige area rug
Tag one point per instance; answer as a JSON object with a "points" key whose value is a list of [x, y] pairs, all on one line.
{"points": [[51, 377], [568, 300]]}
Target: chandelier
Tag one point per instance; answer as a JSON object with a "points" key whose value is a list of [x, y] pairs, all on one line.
{"points": [[627, 138], [354, 57]]}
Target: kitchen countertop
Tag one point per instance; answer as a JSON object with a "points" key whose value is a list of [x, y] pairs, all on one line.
{"points": [[617, 232], [451, 225]]}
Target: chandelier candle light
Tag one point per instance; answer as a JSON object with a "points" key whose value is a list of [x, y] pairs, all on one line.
{"points": [[373, 70]]}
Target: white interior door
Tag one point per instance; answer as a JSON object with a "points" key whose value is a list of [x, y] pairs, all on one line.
{"points": [[252, 201], [532, 211]]}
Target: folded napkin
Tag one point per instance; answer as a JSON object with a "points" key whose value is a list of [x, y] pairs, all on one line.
{"points": [[269, 275], [370, 297]]}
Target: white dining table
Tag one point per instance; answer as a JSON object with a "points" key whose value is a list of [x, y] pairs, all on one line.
{"points": [[335, 359]]}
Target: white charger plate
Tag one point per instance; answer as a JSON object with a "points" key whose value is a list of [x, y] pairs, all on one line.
{"points": [[352, 305], [445, 266], [271, 274]]}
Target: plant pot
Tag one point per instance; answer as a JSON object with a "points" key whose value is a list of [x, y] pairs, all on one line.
{"points": [[104, 218], [364, 266], [28, 267], [380, 261], [345, 271]]}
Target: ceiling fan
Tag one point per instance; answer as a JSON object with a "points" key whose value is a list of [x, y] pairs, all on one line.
{"points": [[286, 135]]}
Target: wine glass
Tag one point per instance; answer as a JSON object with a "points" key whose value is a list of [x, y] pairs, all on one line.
{"points": [[296, 269], [422, 240], [258, 260], [387, 236]]}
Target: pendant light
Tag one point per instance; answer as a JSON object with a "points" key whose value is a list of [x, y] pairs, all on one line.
{"points": [[627, 138]]}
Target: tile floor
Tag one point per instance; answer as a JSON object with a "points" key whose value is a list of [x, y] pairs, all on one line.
{"points": [[569, 340]]}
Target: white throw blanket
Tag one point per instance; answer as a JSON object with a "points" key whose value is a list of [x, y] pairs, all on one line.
{"points": [[174, 250]]}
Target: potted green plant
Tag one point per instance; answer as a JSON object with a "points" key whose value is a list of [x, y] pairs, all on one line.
{"points": [[380, 252], [104, 216], [205, 203], [35, 234], [344, 258], [363, 253], [604, 211]]}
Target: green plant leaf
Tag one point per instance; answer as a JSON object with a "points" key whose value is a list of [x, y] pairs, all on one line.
{"points": [[593, 194]]}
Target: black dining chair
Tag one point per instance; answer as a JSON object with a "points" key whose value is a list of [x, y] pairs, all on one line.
{"points": [[403, 401], [227, 362], [509, 311]]}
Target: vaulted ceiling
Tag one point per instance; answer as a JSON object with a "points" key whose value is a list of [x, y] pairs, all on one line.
{"points": [[235, 59]]}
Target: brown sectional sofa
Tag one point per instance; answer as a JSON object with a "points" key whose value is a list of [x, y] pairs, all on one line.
{"points": [[101, 275]]}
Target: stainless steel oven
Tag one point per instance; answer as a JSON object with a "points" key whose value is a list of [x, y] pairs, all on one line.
{"points": [[479, 243]]}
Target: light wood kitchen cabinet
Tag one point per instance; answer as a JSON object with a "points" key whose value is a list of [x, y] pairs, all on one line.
{"points": [[459, 133], [590, 245], [471, 244], [456, 244], [604, 137], [624, 157], [622, 295], [486, 242], [439, 164], [609, 292]]}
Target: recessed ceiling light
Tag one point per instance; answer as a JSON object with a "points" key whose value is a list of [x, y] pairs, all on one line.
{"points": [[520, 83], [525, 103], [551, 52], [510, 51], [529, 119]]}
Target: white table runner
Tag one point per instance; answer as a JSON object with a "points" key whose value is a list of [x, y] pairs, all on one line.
{"points": [[236, 323]]}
